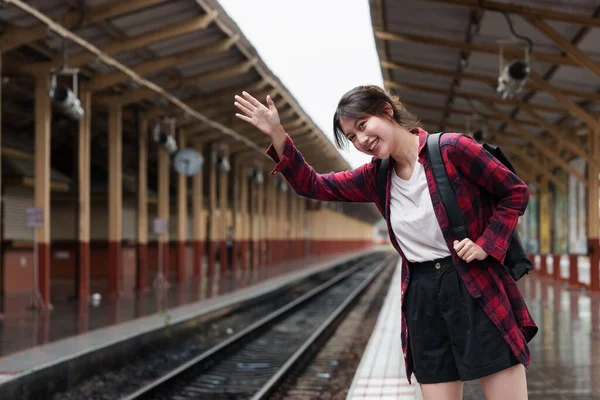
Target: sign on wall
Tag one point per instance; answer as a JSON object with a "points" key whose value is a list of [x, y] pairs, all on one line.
{"points": [[160, 226], [34, 217]]}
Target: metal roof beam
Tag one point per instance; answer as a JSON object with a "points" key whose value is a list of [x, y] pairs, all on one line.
{"points": [[553, 156], [524, 11], [574, 53], [459, 111], [100, 82], [132, 43], [491, 80], [489, 48], [442, 91], [222, 97], [14, 36], [134, 95]]}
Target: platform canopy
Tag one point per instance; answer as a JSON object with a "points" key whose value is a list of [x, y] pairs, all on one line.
{"points": [[442, 57], [183, 59]]}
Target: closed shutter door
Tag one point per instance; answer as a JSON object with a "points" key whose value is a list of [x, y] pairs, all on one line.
{"points": [[16, 200], [99, 221], [63, 221], [129, 226]]}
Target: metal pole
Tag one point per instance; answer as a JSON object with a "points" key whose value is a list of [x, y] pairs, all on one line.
{"points": [[35, 270], [160, 281], [37, 301], [160, 259]]}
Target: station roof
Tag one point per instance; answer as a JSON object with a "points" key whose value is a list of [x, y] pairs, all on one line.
{"points": [[179, 58], [441, 57]]}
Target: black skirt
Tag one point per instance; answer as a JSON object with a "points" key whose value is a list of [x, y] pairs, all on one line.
{"points": [[451, 337]]}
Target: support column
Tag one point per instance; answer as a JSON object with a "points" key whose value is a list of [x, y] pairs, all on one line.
{"points": [[289, 228], [545, 225], [236, 215], [163, 206], [253, 243], [303, 227], [212, 210], [286, 221], [223, 222], [142, 208], [245, 222], [556, 267], [199, 229], [281, 223], [261, 239], [593, 212], [270, 221], [301, 224], [43, 118], [274, 213], [84, 143], [273, 193], [115, 202], [293, 226], [182, 238]]}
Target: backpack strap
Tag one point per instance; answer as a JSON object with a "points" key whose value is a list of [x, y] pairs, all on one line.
{"points": [[381, 184], [446, 193]]}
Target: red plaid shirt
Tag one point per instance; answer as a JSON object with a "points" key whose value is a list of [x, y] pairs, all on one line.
{"points": [[491, 198]]}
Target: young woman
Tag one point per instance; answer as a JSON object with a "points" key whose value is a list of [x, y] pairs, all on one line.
{"points": [[463, 317]]}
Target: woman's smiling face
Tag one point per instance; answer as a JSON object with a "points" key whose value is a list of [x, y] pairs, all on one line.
{"points": [[372, 135]]}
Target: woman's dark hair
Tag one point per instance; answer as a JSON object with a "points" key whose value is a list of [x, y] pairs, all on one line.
{"points": [[369, 100]]}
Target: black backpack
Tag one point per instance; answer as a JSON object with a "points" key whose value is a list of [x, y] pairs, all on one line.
{"points": [[516, 261]]}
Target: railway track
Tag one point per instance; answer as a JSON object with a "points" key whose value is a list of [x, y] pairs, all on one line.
{"points": [[253, 362], [329, 375]]}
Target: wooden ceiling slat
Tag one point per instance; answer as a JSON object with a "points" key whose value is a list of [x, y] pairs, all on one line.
{"points": [[14, 36], [523, 10]]}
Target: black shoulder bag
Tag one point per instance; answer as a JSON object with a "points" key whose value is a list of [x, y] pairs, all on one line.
{"points": [[381, 183], [516, 261]]}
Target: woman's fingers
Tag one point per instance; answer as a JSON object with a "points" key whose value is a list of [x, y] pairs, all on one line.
{"points": [[468, 250], [243, 109], [463, 248], [270, 103], [245, 103], [251, 99], [243, 117]]}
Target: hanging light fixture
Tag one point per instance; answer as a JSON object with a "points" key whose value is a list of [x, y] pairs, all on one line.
{"points": [[65, 99]]}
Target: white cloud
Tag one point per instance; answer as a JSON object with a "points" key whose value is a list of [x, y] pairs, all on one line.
{"points": [[319, 49]]}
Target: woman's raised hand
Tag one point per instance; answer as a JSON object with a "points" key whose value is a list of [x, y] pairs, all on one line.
{"points": [[254, 112]]}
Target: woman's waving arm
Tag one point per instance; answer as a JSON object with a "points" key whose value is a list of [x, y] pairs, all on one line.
{"points": [[357, 185]]}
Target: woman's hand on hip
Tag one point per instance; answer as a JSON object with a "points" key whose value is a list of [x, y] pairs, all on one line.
{"points": [[469, 251], [257, 114]]}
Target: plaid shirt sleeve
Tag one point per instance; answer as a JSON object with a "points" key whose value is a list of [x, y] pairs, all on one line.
{"points": [[357, 185], [484, 170]]}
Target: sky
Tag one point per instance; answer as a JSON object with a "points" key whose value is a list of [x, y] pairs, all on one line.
{"points": [[319, 49]]}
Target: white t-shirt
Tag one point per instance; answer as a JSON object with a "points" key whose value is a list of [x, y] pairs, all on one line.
{"points": [[413, 220]]}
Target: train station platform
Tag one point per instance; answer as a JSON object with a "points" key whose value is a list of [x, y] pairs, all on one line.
{"points": [[37, 340], [97, 192], [565, 353]]}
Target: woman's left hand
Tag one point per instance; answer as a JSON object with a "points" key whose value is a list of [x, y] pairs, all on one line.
{"points": [[469, 251]]}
